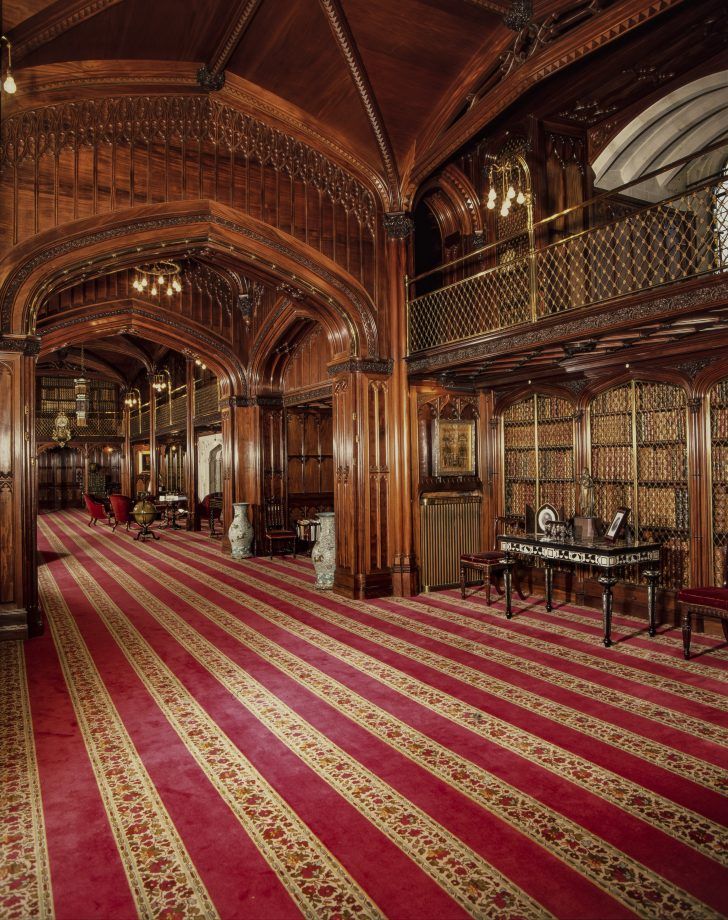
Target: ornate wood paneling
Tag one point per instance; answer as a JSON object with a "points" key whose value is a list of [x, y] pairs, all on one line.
{"points": [[307, 364], [73, 160]]}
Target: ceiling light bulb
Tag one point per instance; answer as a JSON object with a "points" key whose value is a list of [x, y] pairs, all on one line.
{"points": [[520, 197], [9, 84], [154, 290], [144, 282], [204, 367], [198, 362], [491, 194], [176, 285], [511, 193], [161, 279], [491, 204], [504, 211], [170, 291]]}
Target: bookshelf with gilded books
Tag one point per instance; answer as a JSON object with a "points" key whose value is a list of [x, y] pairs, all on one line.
{"points": [[538, 454], [719, 478], [638, 434]]}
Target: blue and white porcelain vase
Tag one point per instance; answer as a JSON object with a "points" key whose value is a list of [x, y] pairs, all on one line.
{"points": [[240, 533], [323, 553]]}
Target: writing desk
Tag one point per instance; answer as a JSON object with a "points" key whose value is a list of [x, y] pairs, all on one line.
{"points": [[608, 557]]}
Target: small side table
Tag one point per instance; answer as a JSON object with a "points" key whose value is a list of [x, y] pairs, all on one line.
{"points": [[307, 532]]}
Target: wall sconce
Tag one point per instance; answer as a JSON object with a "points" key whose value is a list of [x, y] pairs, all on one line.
{"points": [[8, 82]]}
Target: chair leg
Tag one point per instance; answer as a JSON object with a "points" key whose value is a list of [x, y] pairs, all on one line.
{"points": [[724, 624], [91, 520], [114, 526], [486, 574], [462, 581], [686, 631]]}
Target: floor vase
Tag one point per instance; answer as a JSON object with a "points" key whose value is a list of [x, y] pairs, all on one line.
{"points": [[240, 533], [323, 554]]}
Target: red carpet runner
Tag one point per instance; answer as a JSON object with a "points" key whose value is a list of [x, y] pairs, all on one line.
{"points": [[196, 737]]}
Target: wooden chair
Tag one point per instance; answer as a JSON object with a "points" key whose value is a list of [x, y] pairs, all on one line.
{"points": [[706, 602], [96, 509], [491, 562], [211, 510], [277, 533], [122, 506]]}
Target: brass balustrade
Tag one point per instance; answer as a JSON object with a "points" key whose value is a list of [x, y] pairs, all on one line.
{"points": [[681, 237]]}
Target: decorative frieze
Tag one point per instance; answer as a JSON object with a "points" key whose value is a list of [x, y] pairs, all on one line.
{"points": [[362, 365], [398, 224]]}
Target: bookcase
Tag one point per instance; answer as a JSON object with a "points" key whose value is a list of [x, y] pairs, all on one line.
{"points": [[538, 454], [638, 436], [719, 477]]}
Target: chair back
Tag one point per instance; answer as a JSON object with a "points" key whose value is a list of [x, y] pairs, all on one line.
{"points": [[214, 499], [122, 506], [95, 508], [275, 515]]}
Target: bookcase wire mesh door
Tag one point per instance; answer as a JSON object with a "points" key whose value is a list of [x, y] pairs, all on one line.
{"points": [[719, 476], [538, 448], [638, 434]]}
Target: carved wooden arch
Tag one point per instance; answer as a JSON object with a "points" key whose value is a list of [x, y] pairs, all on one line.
{"points": [[503, 403], [281, 324], [94, 246], [709, 377], [647, 375], [137, 317]]}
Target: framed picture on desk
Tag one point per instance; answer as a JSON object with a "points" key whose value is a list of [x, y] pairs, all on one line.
{"points": [[617, 526]]}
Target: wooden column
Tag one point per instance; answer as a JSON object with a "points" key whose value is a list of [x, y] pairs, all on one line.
{"points": [[701, 550], [20, 614], [487, 453], [126, 455], [153, 465], [193, 522], [405, 580], [362, 487], [248, 460]]}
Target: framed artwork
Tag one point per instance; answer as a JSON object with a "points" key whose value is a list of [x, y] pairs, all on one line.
{"points": [[617, 525], [454, 447], [145, 461]]}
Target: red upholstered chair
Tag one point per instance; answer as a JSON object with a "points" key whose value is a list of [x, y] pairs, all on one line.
{"points": [[95, 509], [706, 602], [493, 561], [122, 506], [277, 533]]}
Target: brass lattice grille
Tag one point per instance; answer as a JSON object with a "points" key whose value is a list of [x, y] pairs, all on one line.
{"points": [[719, 477], [667, 242], [538, 443], [494, 299], [639, 460]]}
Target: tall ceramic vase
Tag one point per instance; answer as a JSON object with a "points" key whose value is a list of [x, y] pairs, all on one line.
{"points": [[240, 533], [323, 553]]}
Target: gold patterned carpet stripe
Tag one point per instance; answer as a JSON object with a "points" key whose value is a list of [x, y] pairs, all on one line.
{"points": [[25, 884]]}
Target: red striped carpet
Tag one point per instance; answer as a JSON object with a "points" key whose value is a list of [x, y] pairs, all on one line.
{"points": [[196, 737]]}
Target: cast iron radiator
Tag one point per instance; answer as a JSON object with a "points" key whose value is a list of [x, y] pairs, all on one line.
{"points": [[449, 526]]}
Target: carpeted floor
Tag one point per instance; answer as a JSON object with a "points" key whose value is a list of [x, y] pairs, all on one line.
{"points": [[196, 737]]}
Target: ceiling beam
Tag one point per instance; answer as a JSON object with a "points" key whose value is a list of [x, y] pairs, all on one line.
{"points": [[53, 21], [347, 45], [213, 77]]}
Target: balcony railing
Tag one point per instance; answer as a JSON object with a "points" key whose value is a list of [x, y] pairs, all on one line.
{"points": [[511, 282]]}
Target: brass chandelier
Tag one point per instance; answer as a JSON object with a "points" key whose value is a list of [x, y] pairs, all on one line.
{"points": [[156, 278]]}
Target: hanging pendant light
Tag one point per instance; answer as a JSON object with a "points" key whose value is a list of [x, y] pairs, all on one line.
{"points": [[80, 387], [8, 83], [158, 277]]}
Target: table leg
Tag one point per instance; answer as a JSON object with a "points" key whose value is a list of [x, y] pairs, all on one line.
{"points": [[549, 579], [507, 580], [607, 582], [652, 576]]}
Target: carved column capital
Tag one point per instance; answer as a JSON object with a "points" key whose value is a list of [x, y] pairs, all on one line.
{"points": [[398, 225], [694, 403], [210, 81]]}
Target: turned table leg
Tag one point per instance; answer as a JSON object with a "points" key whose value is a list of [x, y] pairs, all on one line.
{"points": [[652, 576], [687, 628], [549, 579], [607, 582], [508, 581]]}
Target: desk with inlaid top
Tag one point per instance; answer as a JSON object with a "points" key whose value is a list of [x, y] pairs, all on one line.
{"points": [[608, 557]]}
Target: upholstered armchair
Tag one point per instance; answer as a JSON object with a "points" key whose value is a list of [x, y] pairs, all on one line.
{"points": [[705, 602], [122, 506], [96, 509]]}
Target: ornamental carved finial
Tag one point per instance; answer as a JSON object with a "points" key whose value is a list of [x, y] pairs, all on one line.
{"points": [[210, 81], [398, 224], [519, 15]]}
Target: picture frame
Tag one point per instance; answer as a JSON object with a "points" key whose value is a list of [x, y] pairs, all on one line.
{"points": [[546, 514], [454, 447], [616, 527]]}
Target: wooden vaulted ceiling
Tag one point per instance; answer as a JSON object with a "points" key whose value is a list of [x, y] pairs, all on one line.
{"points": [[398, 83]]}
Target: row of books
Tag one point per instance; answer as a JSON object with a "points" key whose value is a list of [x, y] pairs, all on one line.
{"points": [[555, 434], [551, 407], [611, 463], [611, 429], [669, 425], [719, 421], [664, 507], [661, 464]]}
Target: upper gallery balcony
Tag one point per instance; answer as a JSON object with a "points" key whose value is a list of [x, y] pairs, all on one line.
{"points": [[668, 226]]}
